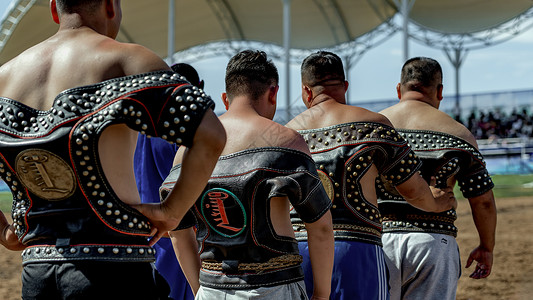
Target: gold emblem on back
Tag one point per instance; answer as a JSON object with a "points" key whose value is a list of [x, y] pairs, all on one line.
{"points": [[45, 174], [326, 182]]}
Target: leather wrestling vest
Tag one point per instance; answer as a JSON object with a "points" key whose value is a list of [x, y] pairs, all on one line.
{"points": [[443, 156], [343, 154], [63, 206], [233, 214]]}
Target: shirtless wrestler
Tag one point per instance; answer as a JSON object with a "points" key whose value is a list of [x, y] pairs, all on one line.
{"points": [[244, 236], [70, 109]]}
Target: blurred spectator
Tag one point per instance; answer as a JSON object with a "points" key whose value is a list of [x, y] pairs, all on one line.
{"points": [[496, 124]]}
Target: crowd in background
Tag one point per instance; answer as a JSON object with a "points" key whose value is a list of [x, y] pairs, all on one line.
{"points": [[497, 124]]}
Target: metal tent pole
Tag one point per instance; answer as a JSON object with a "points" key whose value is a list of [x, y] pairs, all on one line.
{"points": [[405, 7], [171, 37], [287, 47], [457, 57]]}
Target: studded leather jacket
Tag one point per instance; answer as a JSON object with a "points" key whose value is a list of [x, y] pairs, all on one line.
{"points": [[343, 154], [234, 230], [443, 156], [63, 206]]}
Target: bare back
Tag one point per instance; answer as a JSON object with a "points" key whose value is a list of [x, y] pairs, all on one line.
{"points": [[329, 113], [74, 58], [247, 130], [413, 114]]}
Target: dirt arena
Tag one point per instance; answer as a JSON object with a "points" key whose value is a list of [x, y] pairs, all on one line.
{"points": [[510, 279]]}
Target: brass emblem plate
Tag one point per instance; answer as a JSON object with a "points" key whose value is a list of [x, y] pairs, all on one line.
{"points": [[45, 174], [326, 182]]}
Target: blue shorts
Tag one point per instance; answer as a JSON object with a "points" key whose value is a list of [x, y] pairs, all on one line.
{"points": [[152, 163], [359, 271]]}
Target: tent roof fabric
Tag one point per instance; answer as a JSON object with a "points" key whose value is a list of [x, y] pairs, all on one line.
{"points": [[315, 23], [465, 16]]}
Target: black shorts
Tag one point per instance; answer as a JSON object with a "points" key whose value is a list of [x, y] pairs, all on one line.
{"points": [[93, 280]]}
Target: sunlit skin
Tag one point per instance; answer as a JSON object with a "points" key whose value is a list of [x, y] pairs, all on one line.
{"points": [[84, 52], [423, 107]]}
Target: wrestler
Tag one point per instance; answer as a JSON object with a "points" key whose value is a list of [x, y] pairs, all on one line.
{"points": [[420, 247], [352, 146], [70, 111], [244, 237], [152, 162]]}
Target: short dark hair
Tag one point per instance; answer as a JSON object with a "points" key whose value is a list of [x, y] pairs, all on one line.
{"points": [[189, 72], [321, 66], [420, 72], [70, 6], [251, 73]]}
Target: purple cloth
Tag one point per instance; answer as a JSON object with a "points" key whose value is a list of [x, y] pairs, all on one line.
{"points": [[152, 163]]}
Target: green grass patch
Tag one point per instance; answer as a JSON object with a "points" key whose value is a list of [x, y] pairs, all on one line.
{"points": [[6, 199], [506, 186]]}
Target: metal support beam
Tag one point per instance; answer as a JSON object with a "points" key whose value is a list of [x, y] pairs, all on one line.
{"points": [[171, 36], [405, 7], [456, 56], [287, 48]]}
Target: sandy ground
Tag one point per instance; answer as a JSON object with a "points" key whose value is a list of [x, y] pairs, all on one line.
{"points": [[510, 279]]}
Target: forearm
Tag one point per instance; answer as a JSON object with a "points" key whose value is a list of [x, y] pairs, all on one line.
{"points": [[4, 226], [321, 250], [197, 164], [484, 215], [416, 192], [8, 238], [186, 250]]}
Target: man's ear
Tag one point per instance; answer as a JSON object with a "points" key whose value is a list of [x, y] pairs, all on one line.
{"points": [[346, 85], [307, 94], [224, 97], [399, 91], [440, 87], [53, 10], [110, 8], [273, 94]]}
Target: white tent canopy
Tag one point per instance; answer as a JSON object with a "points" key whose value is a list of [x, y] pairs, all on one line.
{"points": [[465, 16], [314, 23]]}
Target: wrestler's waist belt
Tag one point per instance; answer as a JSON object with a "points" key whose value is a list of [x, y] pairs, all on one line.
{"points": [[409, 219], [344, 231], [117, 253], [275, 263], [230, 274]]}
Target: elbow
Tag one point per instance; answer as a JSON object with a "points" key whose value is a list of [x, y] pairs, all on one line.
{"points": [[322, 228]]}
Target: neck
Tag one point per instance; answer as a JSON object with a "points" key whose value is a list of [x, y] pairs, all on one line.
{"points": [[420, 97], [79, 21], [322, 98], [243, 106]]}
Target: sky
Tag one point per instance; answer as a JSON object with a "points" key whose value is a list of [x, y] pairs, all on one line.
{"points": [[506, 66]]}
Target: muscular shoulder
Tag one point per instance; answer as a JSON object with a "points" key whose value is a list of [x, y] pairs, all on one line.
{"points": [[296, 141], [359, 114], [417, 115], [283, 136], [318, 117], [138, 59]]}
